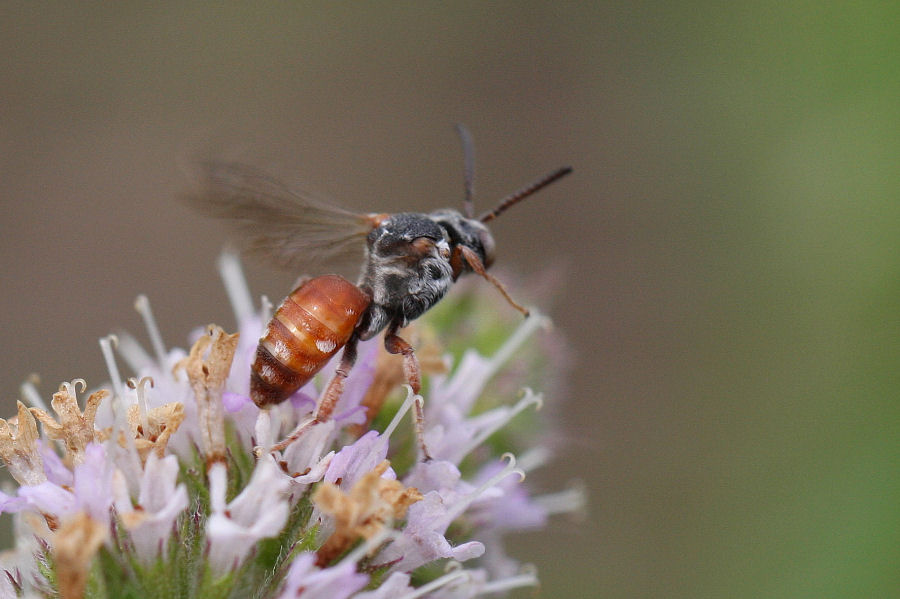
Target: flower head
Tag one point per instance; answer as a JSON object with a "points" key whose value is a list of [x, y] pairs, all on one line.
{"points": [[161, 483]]}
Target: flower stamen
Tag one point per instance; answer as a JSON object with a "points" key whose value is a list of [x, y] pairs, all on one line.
{"points": [[455, 575], [527, 578], [30, 394], [265, 308], [534, 458], [526, 329], [530, 399], [236, 286], [142, 305], [133, 353], [462, 505], [404, 408], [138, 386], [106, 347], [568, 501]]}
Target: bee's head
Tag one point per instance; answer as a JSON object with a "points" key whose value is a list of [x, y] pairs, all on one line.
{"points": [[467, 232], [483, 241]]}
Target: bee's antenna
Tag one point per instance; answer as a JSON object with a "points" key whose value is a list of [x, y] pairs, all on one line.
{"points": [[525, 192], [469, 164]]}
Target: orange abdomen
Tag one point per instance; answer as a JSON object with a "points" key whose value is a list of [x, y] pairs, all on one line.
{"points": [[309, 327]]}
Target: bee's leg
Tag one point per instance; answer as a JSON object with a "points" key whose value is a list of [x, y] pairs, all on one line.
{"points": [[475, 263], [335, 387], [329, 398], [395, 344], [295, 434]]}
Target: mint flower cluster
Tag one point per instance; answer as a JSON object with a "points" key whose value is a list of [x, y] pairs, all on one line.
{"points": [[164, 484]]}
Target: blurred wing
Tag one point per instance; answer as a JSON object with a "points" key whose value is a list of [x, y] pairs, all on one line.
{"points": [[281, 225]]}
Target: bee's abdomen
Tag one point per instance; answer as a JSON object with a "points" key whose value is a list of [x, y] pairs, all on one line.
{"points": [[309, 327]]}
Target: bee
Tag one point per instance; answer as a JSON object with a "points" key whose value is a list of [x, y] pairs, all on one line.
{"points": [[410, 261]]}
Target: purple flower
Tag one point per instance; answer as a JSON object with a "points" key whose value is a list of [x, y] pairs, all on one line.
{"points": [[160, 502], [129, 463], [354, 460], [92, 489], [259, 511], [306, 580]]}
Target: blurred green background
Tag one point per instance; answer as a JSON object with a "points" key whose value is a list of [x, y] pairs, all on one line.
{"points": [[729, 237]]}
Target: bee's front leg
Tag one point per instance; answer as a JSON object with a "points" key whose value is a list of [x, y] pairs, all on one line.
{"points": [[475, 264]]}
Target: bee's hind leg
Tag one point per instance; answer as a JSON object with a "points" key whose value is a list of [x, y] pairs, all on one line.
{"points": [[395, 344], [335, 387], [330, 397]]}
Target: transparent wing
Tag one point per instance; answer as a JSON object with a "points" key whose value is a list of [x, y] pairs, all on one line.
{"points": [[284, 226]]}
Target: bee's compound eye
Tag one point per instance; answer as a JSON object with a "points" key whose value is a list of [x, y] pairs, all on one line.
{"points": [[487, 244]]}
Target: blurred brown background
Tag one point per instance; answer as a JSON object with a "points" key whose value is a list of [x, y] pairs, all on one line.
{"points": [[729, 237]]}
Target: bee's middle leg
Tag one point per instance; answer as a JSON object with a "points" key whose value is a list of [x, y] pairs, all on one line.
{"points": [[395, 344]]}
